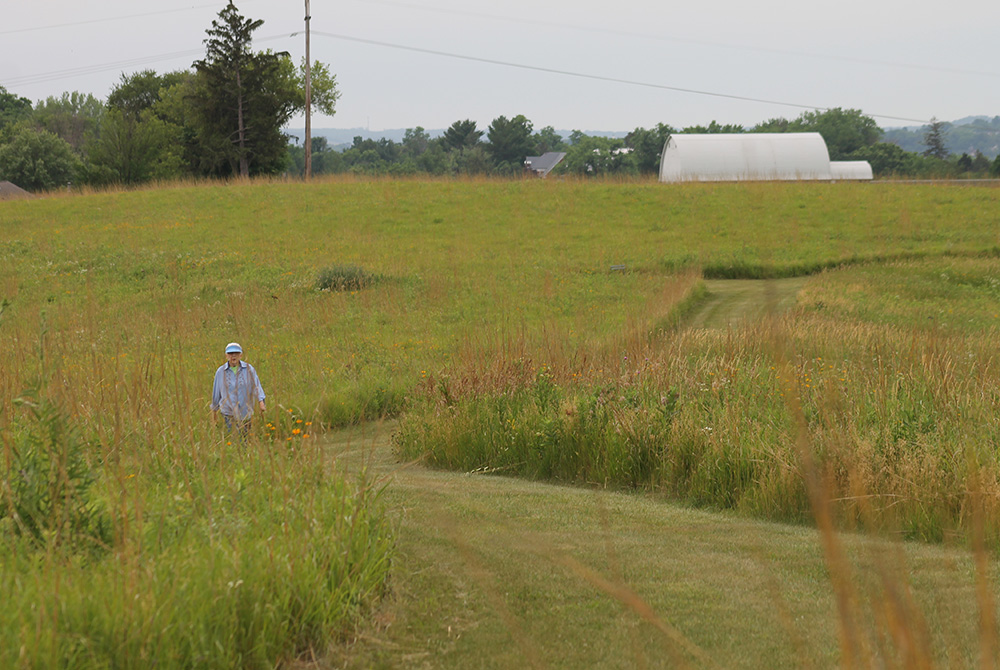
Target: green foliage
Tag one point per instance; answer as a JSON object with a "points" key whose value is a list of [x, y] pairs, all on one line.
{"points": [[509, 142], [462, 134], [323, 91], [242, 100], [73, 117], [979, 134], [845, 131], [888, 159], [133, 149], [46, 485], [647, 147], [141, 91], [715, 127], [324, 159], [546, 140], [13, 109], [597, 156], [934, 139], [37, 160], [344, 278], [250, 560]]}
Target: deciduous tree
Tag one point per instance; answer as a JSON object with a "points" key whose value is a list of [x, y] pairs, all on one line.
{"points": [[37, 160], [547, 139], [72, 117], [647, 147], [716, 128], [13, 108]]}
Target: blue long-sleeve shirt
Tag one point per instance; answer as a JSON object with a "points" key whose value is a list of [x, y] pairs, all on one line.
{"points": [[235, 392]]}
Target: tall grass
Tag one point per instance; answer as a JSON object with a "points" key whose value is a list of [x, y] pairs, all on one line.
{"points": [[899, 419], [505, 338], [134, 533]]}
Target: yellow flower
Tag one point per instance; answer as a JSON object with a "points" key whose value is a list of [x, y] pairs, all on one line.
{"points": [[296, 431]]}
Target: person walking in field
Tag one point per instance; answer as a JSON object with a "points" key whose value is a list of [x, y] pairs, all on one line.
{"points": [[235, 392]]}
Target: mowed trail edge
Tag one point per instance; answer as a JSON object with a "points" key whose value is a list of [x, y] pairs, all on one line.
{"points": [[730, 302], [496, 572]]}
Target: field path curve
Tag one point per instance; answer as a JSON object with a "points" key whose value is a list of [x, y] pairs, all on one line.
{"points": [[732, 301], [496, 572]]}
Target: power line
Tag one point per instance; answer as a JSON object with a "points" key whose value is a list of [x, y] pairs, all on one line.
{"points": [[74, 72], [688, 40], [104, 20], [68, 73], [582, 75]]}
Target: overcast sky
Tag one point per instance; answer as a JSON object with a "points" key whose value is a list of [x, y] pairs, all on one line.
{"points": [[584, 65]]}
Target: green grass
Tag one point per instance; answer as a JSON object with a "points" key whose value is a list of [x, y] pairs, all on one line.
{"points": [[495, 572], [496, 323]]}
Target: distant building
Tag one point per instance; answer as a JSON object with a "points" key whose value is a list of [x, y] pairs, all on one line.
{"points": [[753, 157], [542, 165], [850, 170], [9, 191]]}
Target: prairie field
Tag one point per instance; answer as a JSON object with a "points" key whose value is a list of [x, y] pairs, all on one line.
{"points": [[550, 330]]}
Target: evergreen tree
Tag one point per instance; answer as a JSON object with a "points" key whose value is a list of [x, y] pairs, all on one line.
{"points": [[243, 99], [934, 139], [509, 142], [461, 134]]}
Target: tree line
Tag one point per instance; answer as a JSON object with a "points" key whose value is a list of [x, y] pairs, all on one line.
{"points": [[225, 117], [222, 118], [502, 148]]}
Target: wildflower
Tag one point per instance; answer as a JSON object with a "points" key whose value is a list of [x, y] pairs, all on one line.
{"points": [[296, 431]]}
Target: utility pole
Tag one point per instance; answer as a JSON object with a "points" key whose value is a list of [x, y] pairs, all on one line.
{"points": [[308, 142]]}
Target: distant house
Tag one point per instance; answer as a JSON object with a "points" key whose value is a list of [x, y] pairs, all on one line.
{"points": [[753, 157], [542, 165]]}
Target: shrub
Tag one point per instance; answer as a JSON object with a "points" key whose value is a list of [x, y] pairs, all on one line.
{"points": [[47, 481], [344, 278]]}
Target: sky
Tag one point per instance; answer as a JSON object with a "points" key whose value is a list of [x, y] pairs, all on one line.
{"points": [[571, 65]]}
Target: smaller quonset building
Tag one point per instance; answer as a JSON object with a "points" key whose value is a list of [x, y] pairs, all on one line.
{"points": [[753, 157]]}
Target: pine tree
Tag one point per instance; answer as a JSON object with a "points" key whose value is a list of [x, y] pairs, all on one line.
{"points": [[934, 139], [243, 99]]}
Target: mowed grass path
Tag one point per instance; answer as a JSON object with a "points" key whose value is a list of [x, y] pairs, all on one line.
{"points": [[494, 572], [731, 301]]}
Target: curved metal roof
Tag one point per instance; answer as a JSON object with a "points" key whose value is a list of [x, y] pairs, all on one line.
{"points": [[744, 157], [860, 170]]}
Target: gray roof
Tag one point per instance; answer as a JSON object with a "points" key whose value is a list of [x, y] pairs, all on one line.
{"points": [[543, 164], [11, 191]]}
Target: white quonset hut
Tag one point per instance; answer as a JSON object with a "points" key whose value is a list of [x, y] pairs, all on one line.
{"points": [[749, 157], [852, 170]]}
